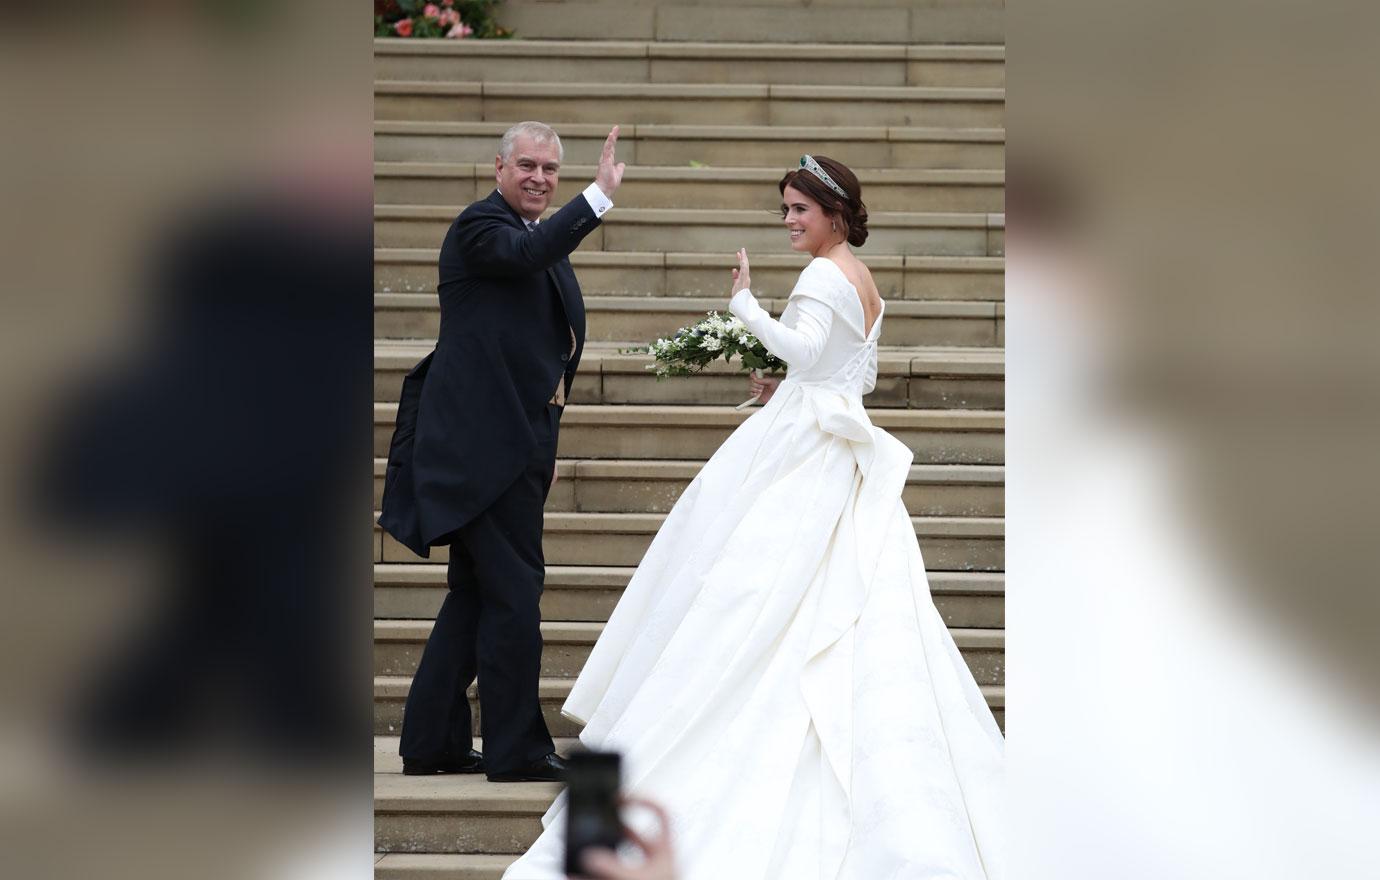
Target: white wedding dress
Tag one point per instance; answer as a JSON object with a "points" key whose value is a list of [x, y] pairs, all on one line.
{"points": [[776, 674]]}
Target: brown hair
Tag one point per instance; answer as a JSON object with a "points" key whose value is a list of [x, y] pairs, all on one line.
{"points": [[851, 210]]}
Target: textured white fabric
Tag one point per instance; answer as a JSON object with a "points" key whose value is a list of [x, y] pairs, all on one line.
{"points": [[776, 673], [799, 338]]}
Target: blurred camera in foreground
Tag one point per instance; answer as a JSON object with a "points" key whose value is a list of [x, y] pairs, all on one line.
{"points": [[187, 341], [1192, 418]]}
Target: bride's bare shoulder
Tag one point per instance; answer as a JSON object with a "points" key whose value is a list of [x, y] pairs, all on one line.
{"points": [[866, 273], [857, 273]]}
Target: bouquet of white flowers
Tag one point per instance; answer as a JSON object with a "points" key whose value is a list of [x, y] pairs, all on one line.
{"points": [[690, 349]]}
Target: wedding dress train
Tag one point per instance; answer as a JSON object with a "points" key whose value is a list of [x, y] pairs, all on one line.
{"points": [[776, 673]]}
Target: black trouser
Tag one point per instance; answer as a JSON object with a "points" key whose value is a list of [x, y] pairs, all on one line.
{"points": [[490, 623]]}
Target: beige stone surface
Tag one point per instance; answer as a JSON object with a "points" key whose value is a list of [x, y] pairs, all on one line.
{"points": [[477, 141], [395, 189], [801, 107], [708, 107], [820, 69], [948, 154], [669, 145], [959, 23], [513, 68], [441, 866], [416, 100], [766, 24], [954, 278], [593, 21], [945, 72]]}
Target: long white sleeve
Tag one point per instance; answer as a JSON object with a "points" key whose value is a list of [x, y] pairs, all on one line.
{"points": [[798, 338]]}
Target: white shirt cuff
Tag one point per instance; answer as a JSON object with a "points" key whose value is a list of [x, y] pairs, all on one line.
{"points": [[597, 200]]}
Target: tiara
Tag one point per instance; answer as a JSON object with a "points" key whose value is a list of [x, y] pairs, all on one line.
{"points": [[809, 164]]}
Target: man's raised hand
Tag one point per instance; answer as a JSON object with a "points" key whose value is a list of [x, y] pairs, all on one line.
{"points": [[609, 174]]}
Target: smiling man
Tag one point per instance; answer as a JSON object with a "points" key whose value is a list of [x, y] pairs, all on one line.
{"points": [[474, 455]]}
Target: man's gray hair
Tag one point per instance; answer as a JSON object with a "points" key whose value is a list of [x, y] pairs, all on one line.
{"points": [[539, 132]]}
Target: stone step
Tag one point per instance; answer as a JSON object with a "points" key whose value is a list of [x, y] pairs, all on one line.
{"points": [[635, 61], [696, 432], [455, 185], [603, 103], [949, 543], [442, 866], [973, 599], [704, 230], [592, 486], [633, 321], [615, 273], [764, 21], [915, 378], [390, 693], [731, 146], [387, 760], [458, 813], [398, 648]]}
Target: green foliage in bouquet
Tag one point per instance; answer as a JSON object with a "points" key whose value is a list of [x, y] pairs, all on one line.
{"points": [[690, 349], [431, 19]]}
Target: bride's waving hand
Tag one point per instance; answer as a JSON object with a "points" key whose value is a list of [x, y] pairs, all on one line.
{"points": [[799, 337]]}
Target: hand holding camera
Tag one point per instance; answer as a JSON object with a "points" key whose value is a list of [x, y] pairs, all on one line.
{"points": [[659, 860]]}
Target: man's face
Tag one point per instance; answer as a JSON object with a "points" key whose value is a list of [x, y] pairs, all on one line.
{"points": [[528, 179]]}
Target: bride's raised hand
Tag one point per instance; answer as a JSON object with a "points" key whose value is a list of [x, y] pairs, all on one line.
{"points": [[740, 274]]}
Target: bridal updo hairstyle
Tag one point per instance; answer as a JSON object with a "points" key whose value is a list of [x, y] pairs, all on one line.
{"points": [[852, 212]]}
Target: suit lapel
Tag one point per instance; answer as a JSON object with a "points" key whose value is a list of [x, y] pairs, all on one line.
{"points": [[574, 316]]}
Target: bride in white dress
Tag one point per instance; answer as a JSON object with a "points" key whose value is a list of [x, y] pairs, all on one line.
{"points": [[776, 674]]}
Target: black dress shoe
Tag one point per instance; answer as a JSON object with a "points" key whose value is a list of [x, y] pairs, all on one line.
{"points": [[471, 763], [548, 769]]}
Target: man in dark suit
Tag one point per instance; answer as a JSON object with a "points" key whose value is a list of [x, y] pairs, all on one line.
{"points": [[474, 455]]}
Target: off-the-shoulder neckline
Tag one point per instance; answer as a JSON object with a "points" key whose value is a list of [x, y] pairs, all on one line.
{"points": [[862, 313]]}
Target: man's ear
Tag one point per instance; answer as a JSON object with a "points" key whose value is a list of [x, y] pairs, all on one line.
{"points": [[498, 166]]}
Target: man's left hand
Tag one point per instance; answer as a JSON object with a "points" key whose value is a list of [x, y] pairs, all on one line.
{"points": [[610, 174]]}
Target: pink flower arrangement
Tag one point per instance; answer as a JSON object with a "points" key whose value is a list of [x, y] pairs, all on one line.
{"points": [[432, 19]]}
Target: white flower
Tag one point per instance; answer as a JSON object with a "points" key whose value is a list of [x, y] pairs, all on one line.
{"points": [[716, 322], [711, 343], [744, 341]]}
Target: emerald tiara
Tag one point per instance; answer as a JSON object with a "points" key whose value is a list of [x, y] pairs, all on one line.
{"points": [[809, 164]]}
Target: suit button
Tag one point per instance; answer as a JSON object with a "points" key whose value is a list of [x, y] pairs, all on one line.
{"points": [[565, 357]]}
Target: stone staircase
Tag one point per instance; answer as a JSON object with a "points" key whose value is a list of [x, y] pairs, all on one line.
{"points": [[714, 106]]}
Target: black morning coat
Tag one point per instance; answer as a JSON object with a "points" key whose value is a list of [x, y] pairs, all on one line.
{"points": [[509, 301]]}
